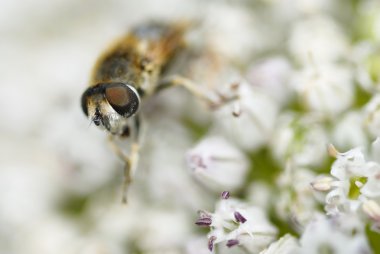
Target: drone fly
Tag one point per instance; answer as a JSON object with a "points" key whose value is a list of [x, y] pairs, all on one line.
{"points": [[129, 73]]}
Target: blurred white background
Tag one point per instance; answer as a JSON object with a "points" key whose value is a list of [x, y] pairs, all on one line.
{"points": [[51, 160]]}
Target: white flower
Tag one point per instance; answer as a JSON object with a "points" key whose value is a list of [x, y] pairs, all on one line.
{"points": [[295, 201], [299, 140], [217, 164], [326, 89], [356, 184], [285, 245], [372, 209], [334, 235], [371, 188], [372, 121], [197, 245], [350, 171], [310, 41], [237, 223], [375, 150], [232, 31], [272, 75], [348, 130], [253, 126], [361, 54]]}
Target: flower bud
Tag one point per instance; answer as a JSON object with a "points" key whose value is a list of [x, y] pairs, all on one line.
{"points": [[217, 164]]}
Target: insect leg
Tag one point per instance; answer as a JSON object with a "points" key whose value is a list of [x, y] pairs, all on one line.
{"points": [[127, 165], [130, 161], [214, 102]]}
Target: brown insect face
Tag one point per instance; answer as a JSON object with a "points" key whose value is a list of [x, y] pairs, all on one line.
{"points": [[110, 105]]}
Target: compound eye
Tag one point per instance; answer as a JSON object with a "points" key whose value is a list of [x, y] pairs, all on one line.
{"points": [[123, 98]]}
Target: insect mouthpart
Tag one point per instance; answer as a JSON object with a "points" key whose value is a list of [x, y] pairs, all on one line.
{"points": [[97, 119]]}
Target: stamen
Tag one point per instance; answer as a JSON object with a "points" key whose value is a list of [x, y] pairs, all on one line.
{"points": [[331, 150], [239, 217], [204, 222], [322, 183], [232, 242], [225, 194], [372, 209], [211, 241]]}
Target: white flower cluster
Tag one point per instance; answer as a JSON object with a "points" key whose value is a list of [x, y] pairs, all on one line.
{"points": [[343, 234], [236, 223], [353, 185]]}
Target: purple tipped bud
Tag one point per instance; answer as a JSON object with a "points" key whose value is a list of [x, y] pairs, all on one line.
{"points": [[225, 194], [239, 217], [211, 241], [232, 242], [204, 222]]}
